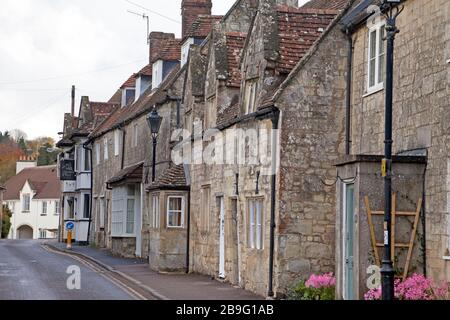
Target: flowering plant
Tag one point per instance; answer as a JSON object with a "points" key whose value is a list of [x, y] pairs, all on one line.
{"points": [[317, 287], [416, 287]]}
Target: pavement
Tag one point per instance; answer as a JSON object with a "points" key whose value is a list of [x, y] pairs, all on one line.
{"points": [[161, 286], [29, 272]]}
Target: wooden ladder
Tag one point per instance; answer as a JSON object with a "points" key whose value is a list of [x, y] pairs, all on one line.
{"points": [[394, 245]]}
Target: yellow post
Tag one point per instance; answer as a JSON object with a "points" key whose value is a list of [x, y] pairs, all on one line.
{"points": [[69, 239]]}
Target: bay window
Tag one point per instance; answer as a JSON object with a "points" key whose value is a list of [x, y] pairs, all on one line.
{"points": [[123, 211], [175, 212]]}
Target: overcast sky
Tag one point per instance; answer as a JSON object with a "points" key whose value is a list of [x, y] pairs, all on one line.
{"points": [[48, 45]]}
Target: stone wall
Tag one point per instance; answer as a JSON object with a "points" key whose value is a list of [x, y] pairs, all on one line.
{"points": [[312, 138], [421, 104]]}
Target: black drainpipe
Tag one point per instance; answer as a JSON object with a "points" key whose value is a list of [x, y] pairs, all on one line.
{"points": [[275, 117], [348, 113], [122, 164], [188, 232], [91, 199]]}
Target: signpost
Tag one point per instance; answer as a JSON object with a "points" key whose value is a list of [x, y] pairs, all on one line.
{"points": [[69, 227]]}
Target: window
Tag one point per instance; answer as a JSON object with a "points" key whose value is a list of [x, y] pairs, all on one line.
{"points": [[86, 206], [44, 207], [205, 208], [105, 149], [377, 58], [135, 135], [71, 208], [123, 211], [116, 142], [97, 153], [155, 212], [42, 234], [251, 88], [87, 159], [57, 208], [185, 50], [102, 213], [26, 203], [175, 212], [157, 77], [255, 225]]}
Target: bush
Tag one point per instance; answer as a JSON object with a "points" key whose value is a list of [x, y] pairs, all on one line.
{"points": [[317, 287], [6, 223], [416, 287]]}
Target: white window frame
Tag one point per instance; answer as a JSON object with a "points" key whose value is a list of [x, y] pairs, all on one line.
{"points": [[156, 216], [97, 153], [42, 234], [116, 142], [105, 149], [255, 224], [157, 76], [44, 207], [57, 207], [24, 202], [119, 213], [379, 45], [175, 211]]}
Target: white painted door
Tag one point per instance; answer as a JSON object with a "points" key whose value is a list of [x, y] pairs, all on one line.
{"points": [[222, 240]]}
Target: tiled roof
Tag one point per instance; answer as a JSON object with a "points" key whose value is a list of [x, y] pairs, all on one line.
{"points": [[174, 176], [130, 83], [298, 30], [326, 4], [43, 180], [116, 98], [170, 52], [235, 45], [129, 174], [202, 26], [144, 104], [102, 108], [146, 71]]}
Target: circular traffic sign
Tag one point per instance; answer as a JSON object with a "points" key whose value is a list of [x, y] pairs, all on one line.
{"points": [[70, 225]]}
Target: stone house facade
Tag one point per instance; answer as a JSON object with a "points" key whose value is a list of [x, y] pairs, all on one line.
{"points": [[420, 134], [237, 220]]}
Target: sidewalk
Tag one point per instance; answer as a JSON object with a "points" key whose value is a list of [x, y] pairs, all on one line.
{"points": [[164, 286]]}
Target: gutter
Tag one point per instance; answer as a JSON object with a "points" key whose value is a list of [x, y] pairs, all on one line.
{"points": [[348, 112]]}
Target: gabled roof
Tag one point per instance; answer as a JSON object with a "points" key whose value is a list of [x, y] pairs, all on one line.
{"points": [[298, 30], [146, 71], [42, 180], [130, 83], [235, 45], [202, 26]]}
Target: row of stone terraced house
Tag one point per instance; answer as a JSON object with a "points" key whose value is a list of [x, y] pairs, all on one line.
{"points": [[268, 156]]}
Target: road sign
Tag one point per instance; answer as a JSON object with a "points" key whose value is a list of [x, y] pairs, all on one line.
{"points": [[70, 225]]}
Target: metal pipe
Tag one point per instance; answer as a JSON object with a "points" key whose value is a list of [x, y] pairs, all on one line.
{"points": [[275, 119], [348, 114], [387, 269], [188, 231], [154, 159]]}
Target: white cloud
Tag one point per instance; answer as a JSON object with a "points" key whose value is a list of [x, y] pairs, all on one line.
{"points": [[47, 38]]}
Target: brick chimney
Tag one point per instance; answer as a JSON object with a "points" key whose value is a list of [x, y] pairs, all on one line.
{"points": [[157, 41], [191, 9]]}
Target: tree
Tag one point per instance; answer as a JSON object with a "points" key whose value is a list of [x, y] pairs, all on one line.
{"points": [[17, 134], [10, 153], [47, 155], [6, 222]]}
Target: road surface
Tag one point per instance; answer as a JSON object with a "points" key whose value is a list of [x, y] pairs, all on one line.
{"points": [[28, 271]]}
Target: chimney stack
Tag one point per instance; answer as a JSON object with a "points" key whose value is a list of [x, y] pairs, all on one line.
{"points": [[191, 9], [73, 102], [157, 41]]}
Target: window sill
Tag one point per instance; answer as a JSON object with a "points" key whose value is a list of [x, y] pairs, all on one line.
{"points": [[446, 258], [373, 91], [123, 236], [43, 214], [175, 228]]}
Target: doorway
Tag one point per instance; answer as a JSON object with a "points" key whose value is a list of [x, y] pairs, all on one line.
{"points": [[349, 212], [25, 233], [222, 239]]}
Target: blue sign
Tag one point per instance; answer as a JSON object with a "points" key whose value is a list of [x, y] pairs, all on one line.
{"points": [[70, 225]]}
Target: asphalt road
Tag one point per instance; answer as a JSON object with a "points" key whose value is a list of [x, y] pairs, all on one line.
{"points": [[29, 272]]}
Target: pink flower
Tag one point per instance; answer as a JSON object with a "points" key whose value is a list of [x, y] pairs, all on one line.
{"points": [[321, 281]]}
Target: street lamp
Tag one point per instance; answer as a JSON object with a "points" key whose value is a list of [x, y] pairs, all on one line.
{"points": [[391, 11], [154, 121]]}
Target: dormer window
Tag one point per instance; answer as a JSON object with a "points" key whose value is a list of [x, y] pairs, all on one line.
{"points": [[157, 77], [128, 95], [185, 50]]}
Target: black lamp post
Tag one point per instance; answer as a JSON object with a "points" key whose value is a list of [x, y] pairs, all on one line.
{"points": [[154, 121], [391, 11]]}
